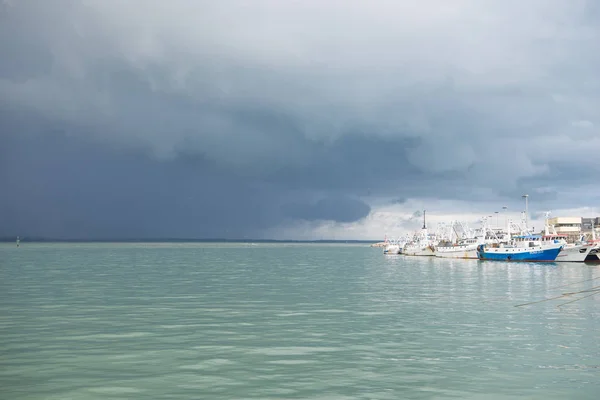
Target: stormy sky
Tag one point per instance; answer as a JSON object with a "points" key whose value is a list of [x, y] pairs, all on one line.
{"points": [[293, 119]]}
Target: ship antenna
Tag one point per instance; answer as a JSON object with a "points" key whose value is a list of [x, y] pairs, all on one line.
{"points": [[424, 225]]}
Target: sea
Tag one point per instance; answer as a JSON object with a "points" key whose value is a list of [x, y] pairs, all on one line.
{"points": [[290, 321]]}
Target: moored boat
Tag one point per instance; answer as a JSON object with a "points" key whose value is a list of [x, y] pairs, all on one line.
{"points": [[420, 245], [466, 245], [580, 251], [528, 247], [577, 253], [394, 247], [416, 249], [465, 248], [594, 254], [391, 248]]}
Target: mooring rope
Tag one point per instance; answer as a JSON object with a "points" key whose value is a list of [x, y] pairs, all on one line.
{"points": [[550, 288], [595, 290], [574, 283]]}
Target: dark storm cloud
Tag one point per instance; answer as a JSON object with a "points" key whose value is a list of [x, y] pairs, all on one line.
{"points": [[221, 117], [62, 186], [398, 201]]}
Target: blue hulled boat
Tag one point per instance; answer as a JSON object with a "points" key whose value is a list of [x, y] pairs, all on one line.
{"points": [[533, 248]]}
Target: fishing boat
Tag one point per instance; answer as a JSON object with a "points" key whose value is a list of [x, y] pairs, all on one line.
{"points": [[532, 248], [524, 246], [466, 245], [402, 243], [580, 251], [594, 254], [576, 252], [392, 247], [395, 246], [420, 245], [464, 248]]}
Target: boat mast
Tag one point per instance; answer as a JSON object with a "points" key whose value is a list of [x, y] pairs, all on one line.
{"points": [[487, 229], [458, 237], [546, 224], [424, 234], [526, 196]]}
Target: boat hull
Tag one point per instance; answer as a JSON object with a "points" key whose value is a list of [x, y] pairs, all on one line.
{"points": [[462, 252], [418, 251], [579, 253], [523, 254], [593, 256]]}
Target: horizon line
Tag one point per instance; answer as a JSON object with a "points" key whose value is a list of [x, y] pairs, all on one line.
{"points": [[12, 239]]}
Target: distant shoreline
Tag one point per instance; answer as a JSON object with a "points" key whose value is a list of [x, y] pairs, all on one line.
{"points": [[49, 240]]}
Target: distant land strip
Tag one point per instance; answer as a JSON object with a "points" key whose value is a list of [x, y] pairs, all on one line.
{"points": [[24, 239]]}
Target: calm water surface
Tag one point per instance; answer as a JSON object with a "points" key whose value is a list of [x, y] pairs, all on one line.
{"points": [[222, 321]]}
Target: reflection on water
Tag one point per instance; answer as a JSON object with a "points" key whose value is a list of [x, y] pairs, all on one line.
{"points": [[214, 321]]}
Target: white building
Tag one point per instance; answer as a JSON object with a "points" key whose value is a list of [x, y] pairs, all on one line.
{"points": [[566, 225]]}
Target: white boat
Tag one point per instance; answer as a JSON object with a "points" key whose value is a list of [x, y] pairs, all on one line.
{"points": [[580, 251], [402, 243], [416, 249], [420, 245], [594, 255], [391, 248], [466, 244], [464, 248], [577, 253]]}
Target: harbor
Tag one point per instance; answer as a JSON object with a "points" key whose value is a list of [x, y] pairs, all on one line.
{"points": [[561, 240]]}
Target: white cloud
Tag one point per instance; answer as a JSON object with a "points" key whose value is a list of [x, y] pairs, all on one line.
{"points": [[395, 221], [582, 124]]}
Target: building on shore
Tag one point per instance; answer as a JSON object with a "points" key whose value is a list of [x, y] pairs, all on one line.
{"points": [[566, 225], [574, 227], [587, 224]]}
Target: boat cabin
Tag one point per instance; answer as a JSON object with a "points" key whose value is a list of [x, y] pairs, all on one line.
{"points": [[528, 240], [555, 238]]}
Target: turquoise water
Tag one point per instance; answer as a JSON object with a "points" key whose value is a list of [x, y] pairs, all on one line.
{"points": [[272, 321]]}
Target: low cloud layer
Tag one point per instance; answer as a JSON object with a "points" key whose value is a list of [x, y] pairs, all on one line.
{"points": [[227, 119]]}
